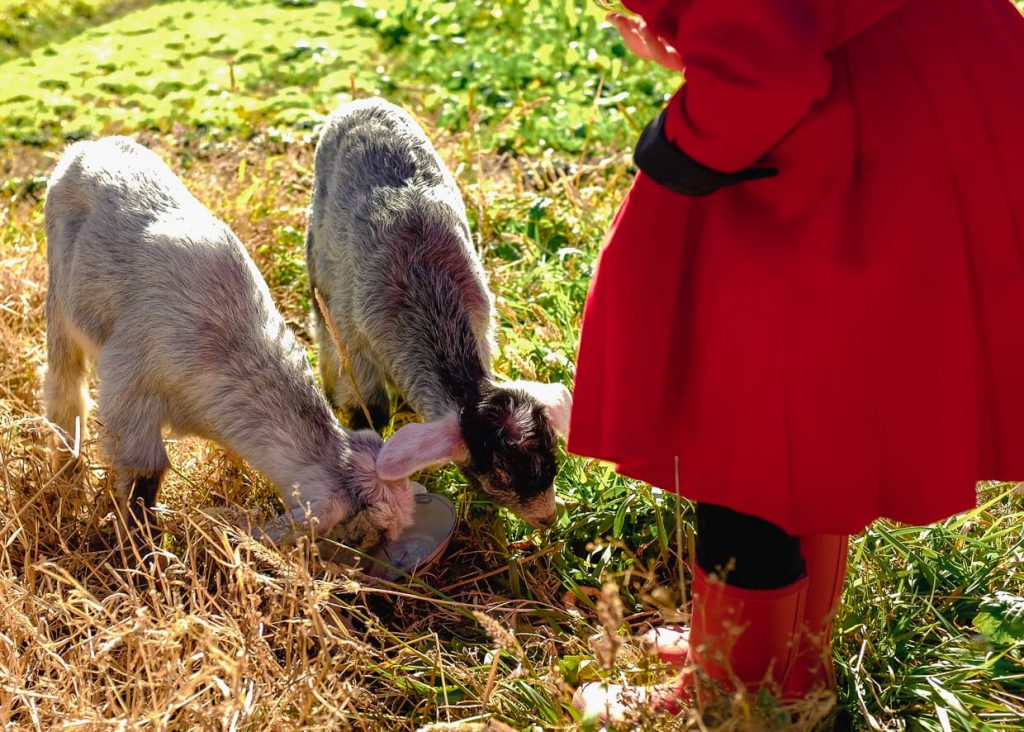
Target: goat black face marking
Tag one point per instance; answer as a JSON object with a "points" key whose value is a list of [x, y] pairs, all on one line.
{"points": [[511, 444]]}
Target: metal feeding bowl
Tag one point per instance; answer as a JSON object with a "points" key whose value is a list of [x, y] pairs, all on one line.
{"points": [[417, 548], [420, 545]]}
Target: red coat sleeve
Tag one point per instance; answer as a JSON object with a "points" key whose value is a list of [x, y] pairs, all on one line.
{"points": [[753, 70]]}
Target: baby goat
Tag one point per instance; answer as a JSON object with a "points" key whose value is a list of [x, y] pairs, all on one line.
{"points": [[389, 249], [147, 283]]}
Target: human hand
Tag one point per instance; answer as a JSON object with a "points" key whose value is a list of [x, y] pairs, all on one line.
{"points": [[644, 42]]}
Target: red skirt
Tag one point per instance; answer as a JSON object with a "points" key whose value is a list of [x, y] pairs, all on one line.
{"points": [[844, 341]]}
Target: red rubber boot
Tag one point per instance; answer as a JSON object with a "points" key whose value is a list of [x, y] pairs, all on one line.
{"points": [[825, 557], [745, 637], [670, 643], [738, 638]]}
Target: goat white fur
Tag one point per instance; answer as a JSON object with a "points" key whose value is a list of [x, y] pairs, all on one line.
{"points": [[162, 295]]}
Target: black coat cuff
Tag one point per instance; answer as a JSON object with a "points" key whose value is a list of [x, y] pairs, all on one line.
{"points": [[670, 167]]}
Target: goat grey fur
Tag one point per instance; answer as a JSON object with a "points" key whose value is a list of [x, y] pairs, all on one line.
{"points": [[389, 249], [163, 297]]}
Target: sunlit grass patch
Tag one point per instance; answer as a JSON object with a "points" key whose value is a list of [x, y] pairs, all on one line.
{"points": [[219, 65], [918, 633], [27, 24], [232, 67]]}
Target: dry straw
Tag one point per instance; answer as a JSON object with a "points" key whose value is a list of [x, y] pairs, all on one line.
{"points": [[214, 630]]}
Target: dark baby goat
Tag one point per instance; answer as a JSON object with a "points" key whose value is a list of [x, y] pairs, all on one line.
{"points": [[389, 249]]}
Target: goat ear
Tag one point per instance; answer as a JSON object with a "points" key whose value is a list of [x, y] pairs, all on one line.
{"points": [[419, 445], [555, 398]]}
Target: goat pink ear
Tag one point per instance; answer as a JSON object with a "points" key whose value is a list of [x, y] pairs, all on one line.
{"points": [[555, 398], [419, 445]]}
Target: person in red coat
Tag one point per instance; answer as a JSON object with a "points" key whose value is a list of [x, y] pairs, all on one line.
{"points": [[809, 312]]}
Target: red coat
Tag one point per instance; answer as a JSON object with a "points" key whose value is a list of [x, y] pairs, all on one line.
{"points": [[846, 340]]}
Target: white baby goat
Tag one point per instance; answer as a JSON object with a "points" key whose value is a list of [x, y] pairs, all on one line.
{"points": [[162, 295]]}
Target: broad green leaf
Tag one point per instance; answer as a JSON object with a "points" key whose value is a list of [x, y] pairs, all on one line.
{"points": [[1001, 618]]}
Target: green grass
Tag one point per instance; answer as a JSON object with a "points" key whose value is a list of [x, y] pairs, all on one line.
{"points": [[27, 24], [210, 65], [916, 638], [534, 105], [234, 67]]}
